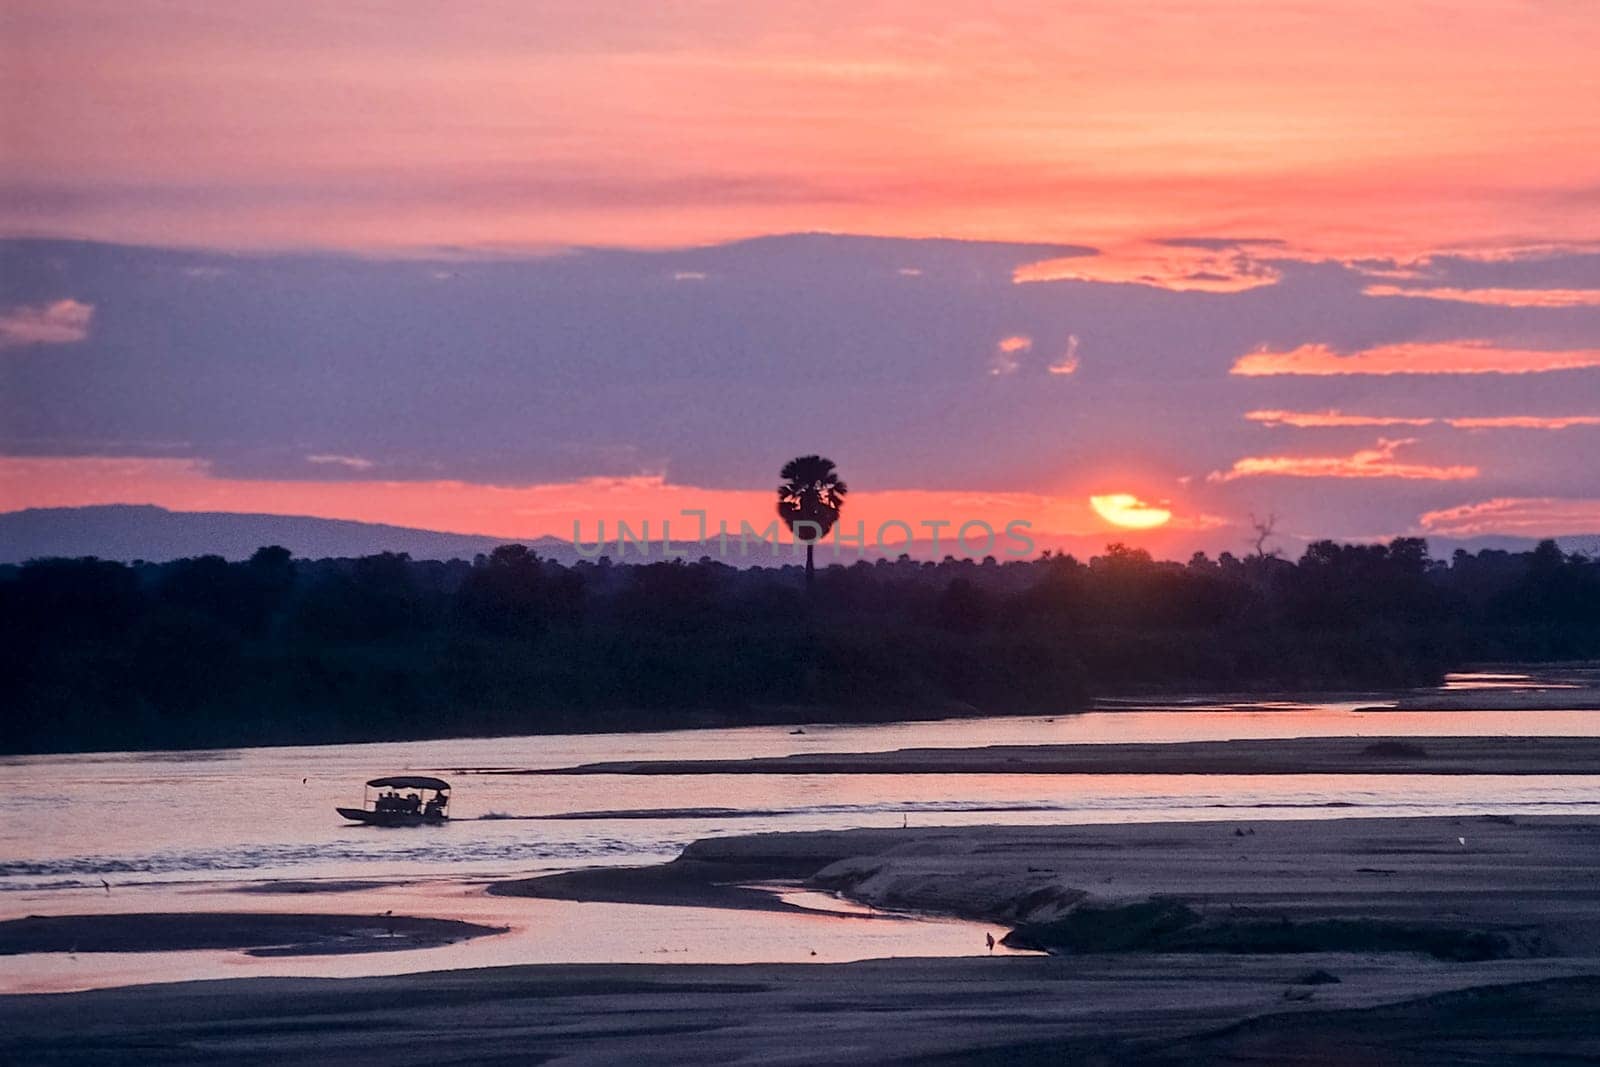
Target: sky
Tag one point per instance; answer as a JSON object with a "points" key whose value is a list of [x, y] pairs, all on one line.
{"points": [[1145, 272]]}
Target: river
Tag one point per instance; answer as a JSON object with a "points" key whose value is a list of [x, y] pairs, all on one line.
{"points": [[221, 830]]}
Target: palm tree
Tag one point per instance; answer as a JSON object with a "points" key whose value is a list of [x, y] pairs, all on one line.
{"points": [[811, 493]]}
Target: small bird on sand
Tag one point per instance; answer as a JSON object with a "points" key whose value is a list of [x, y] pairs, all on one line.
{"points": [[1463, 841], [989, 938], [107, 885]]}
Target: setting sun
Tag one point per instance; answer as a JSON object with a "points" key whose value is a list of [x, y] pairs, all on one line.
{"points": [[1128, 511]]}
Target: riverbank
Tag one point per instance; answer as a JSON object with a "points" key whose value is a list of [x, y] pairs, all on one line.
{"points": [[1563, 686]]}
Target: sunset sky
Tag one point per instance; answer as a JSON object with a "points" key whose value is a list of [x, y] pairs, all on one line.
{"points": [[1125, 271]]}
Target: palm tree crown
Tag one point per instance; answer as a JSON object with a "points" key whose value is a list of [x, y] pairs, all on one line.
{"points": [[811, 492]]}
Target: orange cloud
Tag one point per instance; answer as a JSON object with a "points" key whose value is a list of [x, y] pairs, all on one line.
{"points": [[1378, 462], [527, 511], [1530, 516], [504, 123], [1452, 357], [1317, 419], [1511, 298], [63, 322]]}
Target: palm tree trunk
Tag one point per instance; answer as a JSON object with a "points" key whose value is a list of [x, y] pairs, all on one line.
{"points": [[811, 567]]}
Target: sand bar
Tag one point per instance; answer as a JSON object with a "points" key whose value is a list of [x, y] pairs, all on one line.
{"points": [[258, 934], [1302, 755], [1524, 884]]}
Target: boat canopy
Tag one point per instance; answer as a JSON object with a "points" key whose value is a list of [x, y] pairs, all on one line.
{"points": [[409, 781]]}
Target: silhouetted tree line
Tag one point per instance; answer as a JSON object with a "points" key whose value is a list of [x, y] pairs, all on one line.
{"points": [[203, 652]]}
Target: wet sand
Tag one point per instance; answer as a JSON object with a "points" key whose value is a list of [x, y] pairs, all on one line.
{"points": [[1017, 1010], [1304, 755]]}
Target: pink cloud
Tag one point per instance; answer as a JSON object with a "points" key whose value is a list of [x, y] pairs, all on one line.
{"points": [[1378, 462], [1007, 352], [1068, 363], [1524, 422], [1180, 267], [1450, 357], [1511, 298], [355, 463], [63, 322], [1333, 418], [1530, 516], [1317, 419]]}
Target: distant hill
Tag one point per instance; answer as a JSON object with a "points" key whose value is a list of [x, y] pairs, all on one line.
{"points": [[138, 531]]}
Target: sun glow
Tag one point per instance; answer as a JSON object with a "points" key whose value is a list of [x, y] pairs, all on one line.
{"points": [[1129, 512]]}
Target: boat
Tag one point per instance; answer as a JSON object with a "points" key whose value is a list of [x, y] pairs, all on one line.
{"points": [[402, 801]]}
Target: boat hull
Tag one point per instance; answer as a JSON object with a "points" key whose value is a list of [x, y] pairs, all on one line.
{"points": [[391, 818]]}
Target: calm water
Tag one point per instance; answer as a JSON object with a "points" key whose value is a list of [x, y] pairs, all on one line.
{"points": [[188, 831]]}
